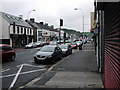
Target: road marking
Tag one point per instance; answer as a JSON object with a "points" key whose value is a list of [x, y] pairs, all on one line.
{"points": [[38, 78], [31, 65], [22, 73], [15, 78], [5, 70]]}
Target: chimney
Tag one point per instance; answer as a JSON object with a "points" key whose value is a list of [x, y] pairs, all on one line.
{"points": [[41, 23], [52, 26], [46, 24], [32, 19], [21, 16]]}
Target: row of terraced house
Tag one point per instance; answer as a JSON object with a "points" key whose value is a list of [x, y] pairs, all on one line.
{"points": [[18, 32]]}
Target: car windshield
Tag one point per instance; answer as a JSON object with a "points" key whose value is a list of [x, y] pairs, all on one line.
{"points": [[30, 43], [47, 49], [53, 43], [73, 44], [38, 41], [0, 49], [63, 46]]}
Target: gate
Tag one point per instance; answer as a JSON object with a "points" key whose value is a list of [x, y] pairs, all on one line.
{"points": [[112, 45]]}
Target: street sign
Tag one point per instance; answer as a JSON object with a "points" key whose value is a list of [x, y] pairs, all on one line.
{"points": [[92, 30]]}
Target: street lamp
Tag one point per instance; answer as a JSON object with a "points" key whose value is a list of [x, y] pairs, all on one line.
{"points": [[29, 13], [83, 18]]}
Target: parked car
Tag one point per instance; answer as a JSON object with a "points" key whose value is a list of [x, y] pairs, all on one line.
{"points": [[66, 49], [7, 52], [39, 43], [73, 45], [79, 43], [48, 53], [84, 41], [53, 43], [31, 45]]}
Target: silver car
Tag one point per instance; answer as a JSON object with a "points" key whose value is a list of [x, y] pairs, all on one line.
{"points": [[31, 45]]}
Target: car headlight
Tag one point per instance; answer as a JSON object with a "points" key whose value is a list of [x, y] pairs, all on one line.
{"points": [[64, 51], [49, 56]]}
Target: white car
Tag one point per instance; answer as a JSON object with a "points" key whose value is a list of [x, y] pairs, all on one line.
{"points": [[31, 45], [39, 43], [79, 43]]}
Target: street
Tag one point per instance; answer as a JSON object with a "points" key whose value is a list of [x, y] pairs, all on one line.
{"points": [[59, 44], [29, 71], [24, 72], [78, 70]]}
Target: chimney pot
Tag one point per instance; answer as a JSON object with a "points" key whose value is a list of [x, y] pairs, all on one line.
{"points": [[21, 16], [32, 19], [41, 23]]}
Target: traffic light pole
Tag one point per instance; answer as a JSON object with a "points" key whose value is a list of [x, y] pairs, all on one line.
{"points": [[60, 34]]}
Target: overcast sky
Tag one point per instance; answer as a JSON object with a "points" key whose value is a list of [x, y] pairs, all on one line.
{"points": [[50, 11]]}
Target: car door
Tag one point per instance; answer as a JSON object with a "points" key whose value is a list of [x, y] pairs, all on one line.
{"points": [[57, 53], [70, 49], [5, 53]]}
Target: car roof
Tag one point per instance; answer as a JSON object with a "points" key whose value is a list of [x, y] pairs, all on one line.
{"points": [[63, 45], [51, 46]]}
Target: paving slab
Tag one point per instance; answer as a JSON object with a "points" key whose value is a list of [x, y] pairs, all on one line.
{"points": [[76, 80]]}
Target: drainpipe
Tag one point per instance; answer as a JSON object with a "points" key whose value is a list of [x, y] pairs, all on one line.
{"points": [[9, 31]]}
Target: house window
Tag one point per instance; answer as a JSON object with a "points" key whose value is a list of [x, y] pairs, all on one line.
{"points": [[39, 33], [30, 31], [21, 30], [24, 30], [18, 30], [27, 30]]}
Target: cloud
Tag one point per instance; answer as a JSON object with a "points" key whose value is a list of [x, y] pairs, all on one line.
{"points": [[51, 11]]}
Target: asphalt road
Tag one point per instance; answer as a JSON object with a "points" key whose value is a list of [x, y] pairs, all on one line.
{"points": [[22, 70], [25, 65], [81, 62]]}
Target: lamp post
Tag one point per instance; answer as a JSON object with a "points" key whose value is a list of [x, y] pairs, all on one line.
{"points": [[83, 18], [29, 13]]}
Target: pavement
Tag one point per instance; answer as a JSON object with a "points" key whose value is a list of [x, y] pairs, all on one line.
{"points": [[78, 70]]}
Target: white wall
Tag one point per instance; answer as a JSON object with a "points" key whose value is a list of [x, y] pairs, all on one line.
{"points": [[45, 31], [0, 27], [4, 29]]}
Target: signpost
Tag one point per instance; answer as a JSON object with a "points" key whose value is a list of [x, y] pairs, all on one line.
{"points": [[92, 30]]}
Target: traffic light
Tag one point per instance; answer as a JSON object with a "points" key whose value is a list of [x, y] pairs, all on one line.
{"points": [[61, 22]]}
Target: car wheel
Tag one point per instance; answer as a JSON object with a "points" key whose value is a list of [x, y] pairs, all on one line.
{"points": [[53, 61], [35, 61], [13, 58], [71, 52], [60, 56]]}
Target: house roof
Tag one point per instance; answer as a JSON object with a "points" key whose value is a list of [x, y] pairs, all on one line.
{"points": [[11, 18], [41, 26]]}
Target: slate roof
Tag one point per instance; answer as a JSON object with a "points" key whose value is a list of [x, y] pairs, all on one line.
{"points": [[40, 26], [11, 18]]}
